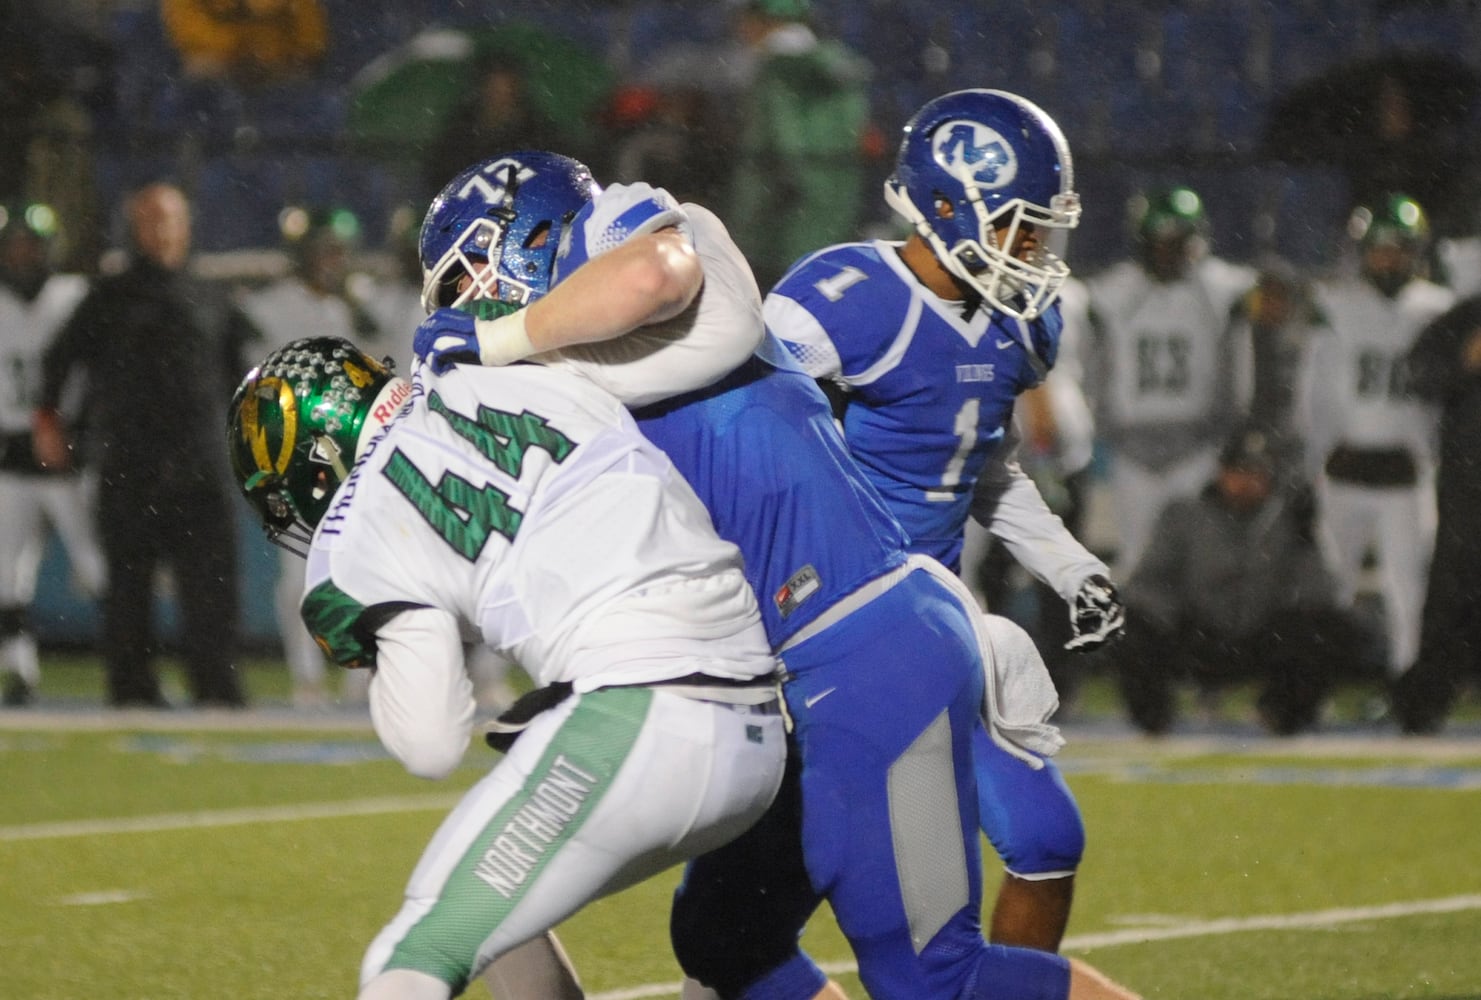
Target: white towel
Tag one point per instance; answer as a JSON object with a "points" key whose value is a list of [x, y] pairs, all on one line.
{"points": [[1018, 695]]}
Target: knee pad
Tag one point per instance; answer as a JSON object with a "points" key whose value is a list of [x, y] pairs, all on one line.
{"points": [[957, 964], [1005, 973], [1029, 815], [1046, 849], [740, 910], [14, 621], [738, 958]]}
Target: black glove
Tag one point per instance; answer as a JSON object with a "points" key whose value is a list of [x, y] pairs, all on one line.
{"points": [[1097, 615]]}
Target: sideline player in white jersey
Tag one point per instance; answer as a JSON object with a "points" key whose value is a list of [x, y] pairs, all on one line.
{"points": [[1161, 368], [521, 507], [925, 346], [308, 299], [34, 303], [1369, 439]]}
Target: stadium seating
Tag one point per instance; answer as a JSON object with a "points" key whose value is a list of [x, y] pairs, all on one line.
{"points": [[1130, 82], [1146, 92]]}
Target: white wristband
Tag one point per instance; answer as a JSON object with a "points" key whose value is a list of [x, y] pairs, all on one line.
{"points": [[503, 341]]}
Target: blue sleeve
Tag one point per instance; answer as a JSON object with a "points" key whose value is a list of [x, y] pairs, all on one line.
{"points": [[858, 300]]}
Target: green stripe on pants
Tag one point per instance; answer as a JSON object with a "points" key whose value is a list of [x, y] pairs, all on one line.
{"points": [[503, 863]]}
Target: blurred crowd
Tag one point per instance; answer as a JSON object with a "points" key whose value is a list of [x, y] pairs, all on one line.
{"points": [[1276, 459]]}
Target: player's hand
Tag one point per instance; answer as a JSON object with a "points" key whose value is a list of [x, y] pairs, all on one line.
{"points": [[1097, 615], [49, 441], [445, 338], [454, 336]]}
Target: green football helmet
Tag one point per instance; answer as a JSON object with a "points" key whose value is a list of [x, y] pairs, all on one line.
{"points": [[1169, 213], [782, 10], [1170, 229], [297, 423], [1394, 220]]}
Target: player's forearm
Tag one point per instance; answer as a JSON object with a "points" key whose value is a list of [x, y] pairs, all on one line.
{"points": [[1034, 535], [702, 344], [644, 281], [421, 700], [1053, 555], [49, 440]]}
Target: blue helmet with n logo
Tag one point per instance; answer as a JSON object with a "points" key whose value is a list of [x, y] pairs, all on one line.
{"points": [[498, 224], [978, 170]]}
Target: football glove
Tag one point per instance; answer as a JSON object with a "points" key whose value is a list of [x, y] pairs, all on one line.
{"points": [[473, 336], [1097, 615]]}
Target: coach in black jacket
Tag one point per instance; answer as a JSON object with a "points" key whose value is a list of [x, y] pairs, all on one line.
{"points": [[161, 351], [1445, 367]]}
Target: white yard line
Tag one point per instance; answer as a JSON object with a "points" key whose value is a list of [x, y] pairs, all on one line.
{"points": [[1093, 744], [1097, 743], [1315, 920], [227, 817], [255, 720]]}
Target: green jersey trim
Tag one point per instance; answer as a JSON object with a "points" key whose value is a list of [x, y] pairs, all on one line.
{"points": [[505, 861], [333, 619]]}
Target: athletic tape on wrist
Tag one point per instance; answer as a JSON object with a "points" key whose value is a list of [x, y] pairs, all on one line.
{"points": [[503, 341]]}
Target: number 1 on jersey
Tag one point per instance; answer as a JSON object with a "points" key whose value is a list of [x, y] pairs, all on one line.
{"points": [[834, 287], [965, 429]]}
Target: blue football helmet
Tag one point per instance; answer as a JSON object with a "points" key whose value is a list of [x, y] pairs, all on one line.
{"points": [[499, 223], [1004, 168]]}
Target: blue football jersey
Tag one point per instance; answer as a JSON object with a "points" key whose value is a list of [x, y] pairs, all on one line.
{"points": [[761, 450], [931, 383]]}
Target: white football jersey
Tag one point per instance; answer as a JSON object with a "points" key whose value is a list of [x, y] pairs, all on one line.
{"points": [[1163, 357], [1354, 388], [288, 310], [26, 330], [523, 501]]}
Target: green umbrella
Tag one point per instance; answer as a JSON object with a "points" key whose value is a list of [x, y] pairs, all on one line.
{"points": [[402, 99]]}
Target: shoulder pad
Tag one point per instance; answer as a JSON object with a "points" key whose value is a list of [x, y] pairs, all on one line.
{"points": [[620, 213]]}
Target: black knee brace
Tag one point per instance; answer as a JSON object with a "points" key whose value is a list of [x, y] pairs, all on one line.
{"points": [[14, 621]]}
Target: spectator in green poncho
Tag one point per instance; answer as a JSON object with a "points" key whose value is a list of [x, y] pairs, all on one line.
{"points": [[800, 168]]}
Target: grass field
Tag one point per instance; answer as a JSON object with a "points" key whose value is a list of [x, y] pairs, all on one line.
{"points": [[253, 855]]}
